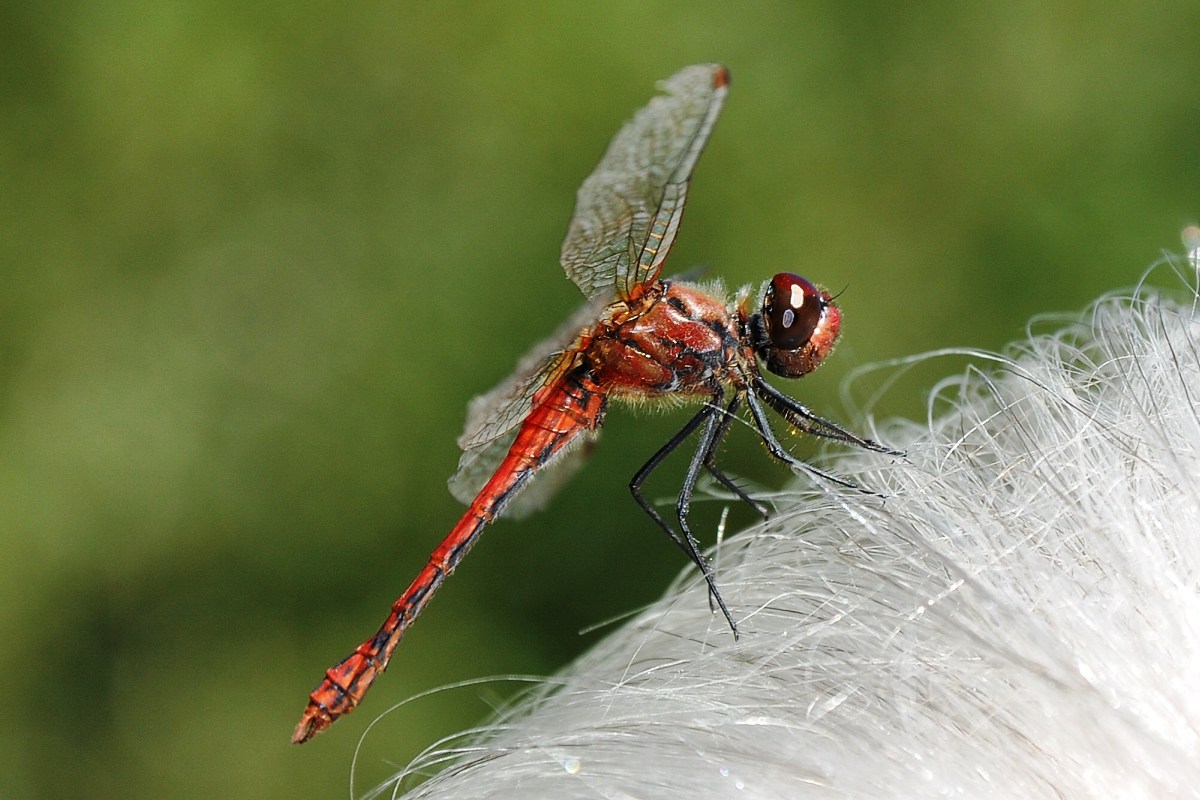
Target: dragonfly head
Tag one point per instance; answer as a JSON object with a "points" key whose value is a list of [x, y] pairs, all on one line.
{"points": [[796, 328]]}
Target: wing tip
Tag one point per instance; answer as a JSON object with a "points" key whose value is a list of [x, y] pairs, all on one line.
{"points": [[721, 76]]}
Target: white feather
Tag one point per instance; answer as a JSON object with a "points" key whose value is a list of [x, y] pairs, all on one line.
{"points": [[1018, 617]]}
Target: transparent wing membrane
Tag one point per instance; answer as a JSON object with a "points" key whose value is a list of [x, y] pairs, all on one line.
{"points": [[494, 418], [495, 413], [476, 467], [628, 210]]}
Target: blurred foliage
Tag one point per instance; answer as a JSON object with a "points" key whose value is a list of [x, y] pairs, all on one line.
{"points": [[257, 257]]}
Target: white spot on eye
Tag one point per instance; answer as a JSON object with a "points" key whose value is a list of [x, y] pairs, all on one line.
{"points": [[797, 298], [789, 318]]}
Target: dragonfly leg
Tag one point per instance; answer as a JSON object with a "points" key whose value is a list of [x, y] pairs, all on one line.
{"points": [[710, 417], [799, 415], [779, 451], [711, 465]]}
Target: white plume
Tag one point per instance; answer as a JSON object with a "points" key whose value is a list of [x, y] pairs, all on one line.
{"points": [[1016, 615]]}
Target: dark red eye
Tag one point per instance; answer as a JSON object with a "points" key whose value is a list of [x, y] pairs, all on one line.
{"points": [[792, 309], [801, 324]]}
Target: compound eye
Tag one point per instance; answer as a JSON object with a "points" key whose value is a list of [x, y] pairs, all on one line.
{"points": [[792, 310], [800, 326]]}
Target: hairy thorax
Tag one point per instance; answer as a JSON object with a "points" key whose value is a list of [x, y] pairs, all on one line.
{"points": [[679, 341]]}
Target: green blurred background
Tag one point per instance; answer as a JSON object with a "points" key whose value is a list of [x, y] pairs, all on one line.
{"points": [[257, 257]]}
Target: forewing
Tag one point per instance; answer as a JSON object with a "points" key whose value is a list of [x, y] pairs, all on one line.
{"points": [[628, 210]]}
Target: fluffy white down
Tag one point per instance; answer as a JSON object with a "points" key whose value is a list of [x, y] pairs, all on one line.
{"points": [[1019, 617]]}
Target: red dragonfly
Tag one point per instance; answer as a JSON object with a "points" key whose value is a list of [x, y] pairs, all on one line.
{"points": [[638, 337]]}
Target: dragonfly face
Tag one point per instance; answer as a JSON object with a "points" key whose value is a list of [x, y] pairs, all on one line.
{"points": [[796, 328]]}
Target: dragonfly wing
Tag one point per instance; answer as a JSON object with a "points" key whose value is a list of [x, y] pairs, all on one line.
{"points": [[478, 465], [494, 418], [628, 210], [554, 476], [501, 410]]}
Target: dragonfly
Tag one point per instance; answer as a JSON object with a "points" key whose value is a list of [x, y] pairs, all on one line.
{"points": [[638, 337]]}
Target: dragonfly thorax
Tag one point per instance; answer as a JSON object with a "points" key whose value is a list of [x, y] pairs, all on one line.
{"points": [[683, 342]]}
